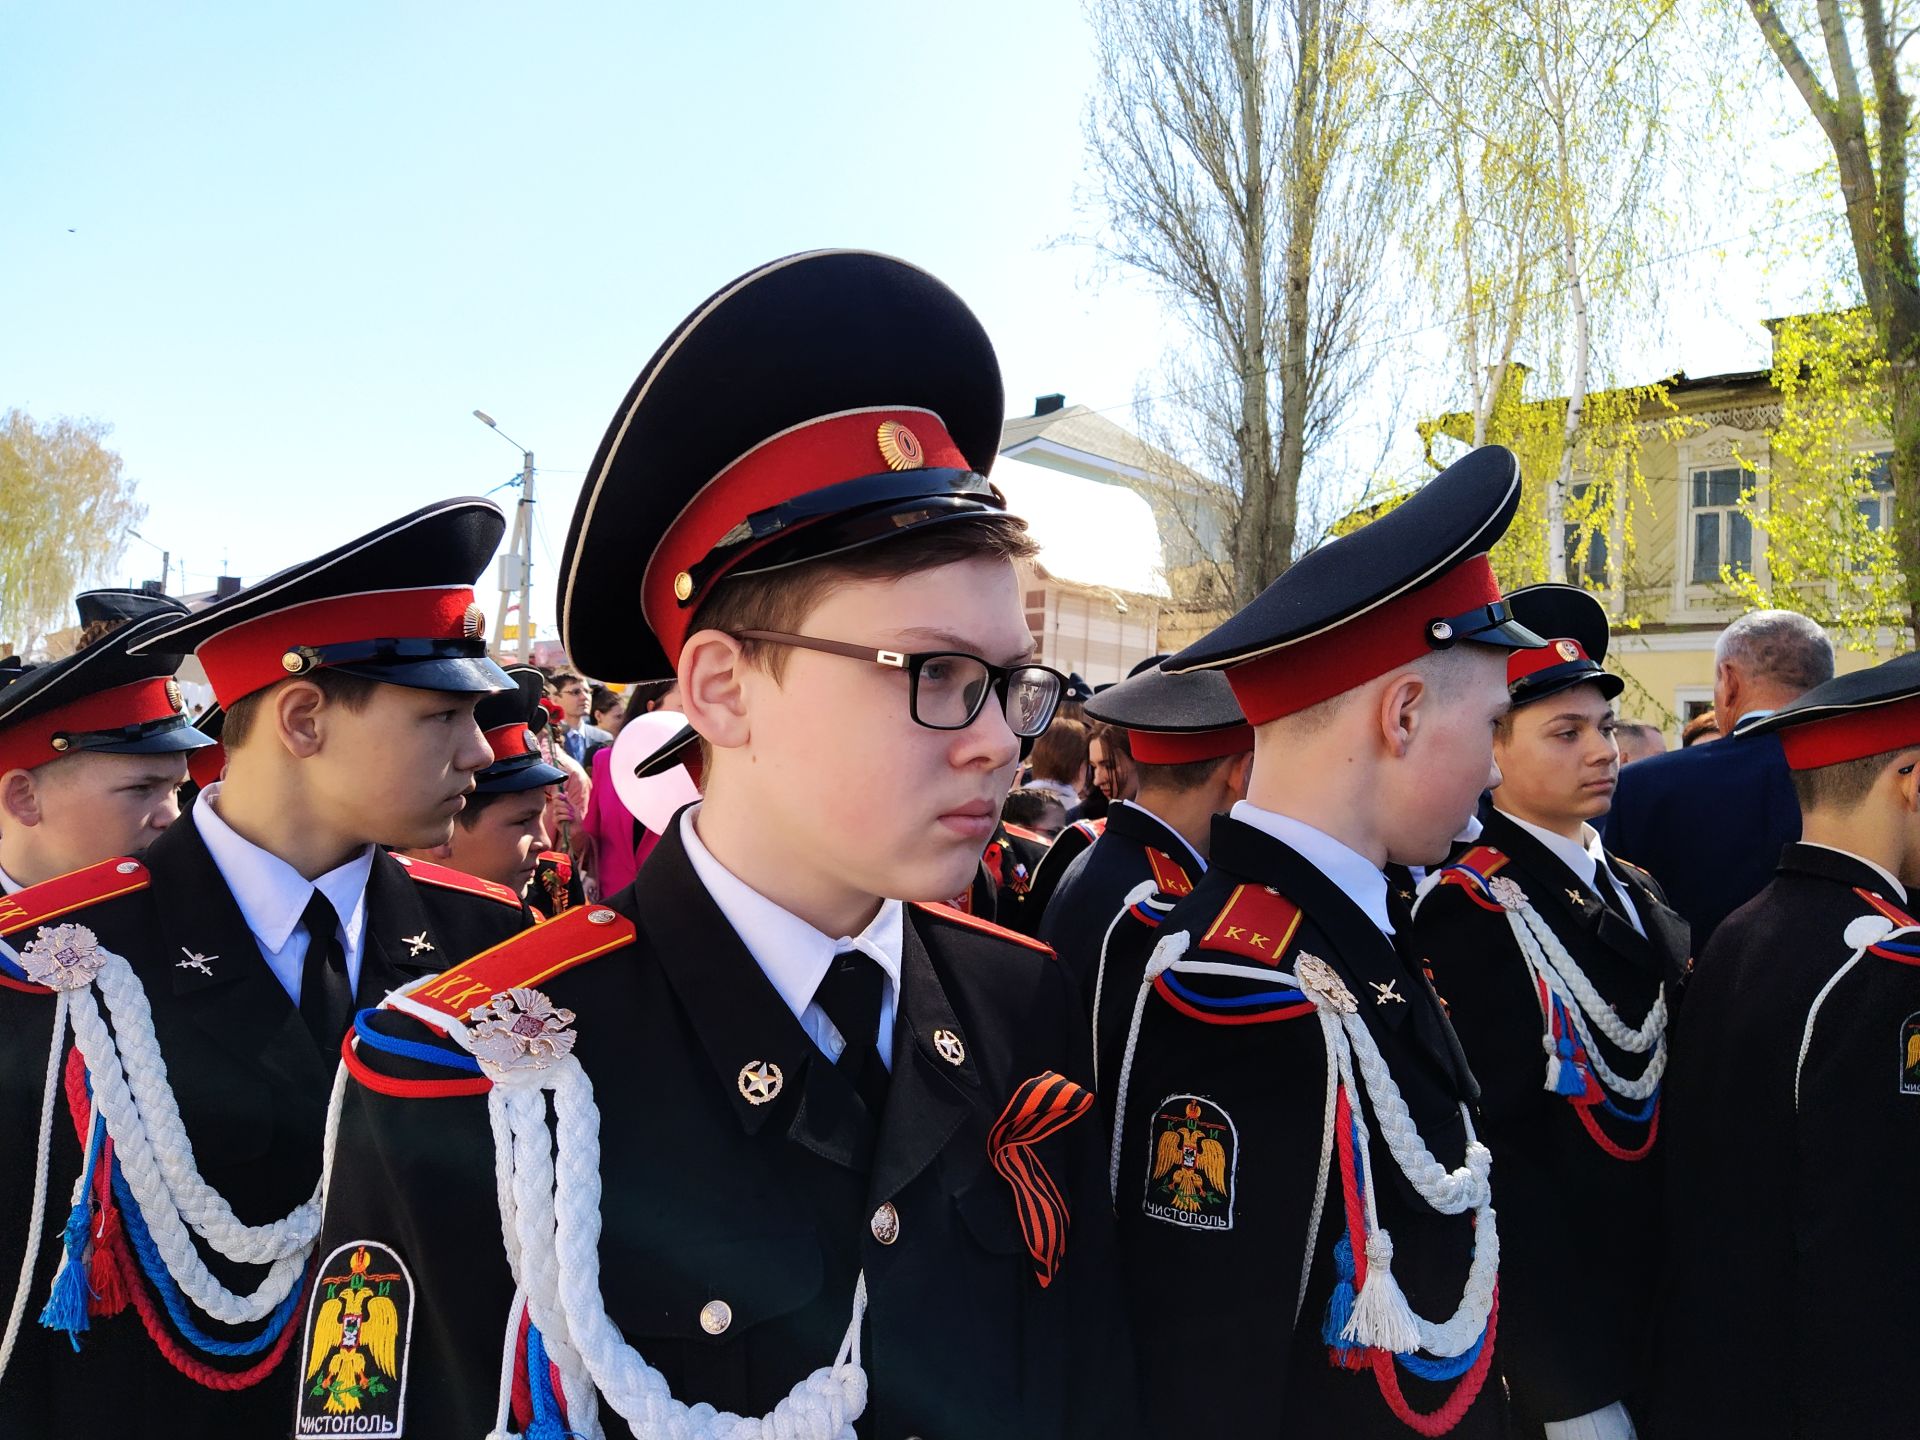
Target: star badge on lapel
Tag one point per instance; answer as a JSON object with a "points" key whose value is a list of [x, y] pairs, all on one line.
{"points": [[416, 944], [760, 1081], [196, 961]]}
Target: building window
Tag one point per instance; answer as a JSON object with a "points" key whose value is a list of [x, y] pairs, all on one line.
{"points": [[1721, 534], [1876, 506], [1594, 569]]}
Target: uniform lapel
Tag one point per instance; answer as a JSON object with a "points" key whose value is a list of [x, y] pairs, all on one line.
{"points": [[1669, 936], [398, 943], [231, 996], [1569, 905], [930, 1093]]}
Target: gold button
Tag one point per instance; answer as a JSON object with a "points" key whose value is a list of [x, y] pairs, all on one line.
{"points": [[886, 1224], [600, 917], [60, 742], [293, 662], [682, 585], [715, 1317]]}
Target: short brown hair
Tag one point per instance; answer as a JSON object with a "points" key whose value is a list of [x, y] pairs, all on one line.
{"points": [[1842, 786], [1061, 752], [782, 599], [349, 692]]}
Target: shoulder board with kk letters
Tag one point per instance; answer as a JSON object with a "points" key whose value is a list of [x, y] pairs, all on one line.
{"points": [[526, 959], [1257, 921], [1169, 877]]}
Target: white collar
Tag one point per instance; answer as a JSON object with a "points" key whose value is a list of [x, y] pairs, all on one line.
{"points": [[1198, 859], [1059, 789], [1583, 857], [1876, 867], [1346, 867], [271, 894], [9, 885], [792, 954]]}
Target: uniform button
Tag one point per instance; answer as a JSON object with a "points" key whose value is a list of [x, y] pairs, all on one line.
{"points": [[715, 1317], [886, 1224], [127, 867], [600, 917]]}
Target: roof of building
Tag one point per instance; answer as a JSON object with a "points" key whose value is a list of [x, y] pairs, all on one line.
{"points": [[1090, 533], [1076, 427]]}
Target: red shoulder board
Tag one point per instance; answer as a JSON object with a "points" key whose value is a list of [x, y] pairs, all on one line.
{"points": [[532, 956], [447, 878], [1886, 907], [945, 911], [1092, 829], [1482, 860], [1169, 877], [1032, 836], [1257, 921], [50, 899]]}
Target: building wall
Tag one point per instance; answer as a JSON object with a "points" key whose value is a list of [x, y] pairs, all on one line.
{"points": [[1086, 633]]}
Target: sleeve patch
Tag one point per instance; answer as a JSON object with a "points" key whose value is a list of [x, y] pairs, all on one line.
{"points": [[1193, 1156], [1257, 922], [359, 1328]]}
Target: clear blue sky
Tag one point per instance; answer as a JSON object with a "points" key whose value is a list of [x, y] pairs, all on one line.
{"points": [[285, 251]]}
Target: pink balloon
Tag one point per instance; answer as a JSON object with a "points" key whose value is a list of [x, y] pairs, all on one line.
{"points": [[654, 800]]}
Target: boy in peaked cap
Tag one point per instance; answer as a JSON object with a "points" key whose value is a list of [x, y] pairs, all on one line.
{"points": [[209, 979], [1793, 1103], [1560, 965], [1191, 749], [1292, 1152], [93, 748], [836, 1153]]}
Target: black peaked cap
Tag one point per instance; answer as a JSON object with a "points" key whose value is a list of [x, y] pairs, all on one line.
{"points": [[1556, 613]]}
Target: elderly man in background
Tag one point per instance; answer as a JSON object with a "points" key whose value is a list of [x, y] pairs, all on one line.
{"points": [[1639, 740], [1710, 821]]}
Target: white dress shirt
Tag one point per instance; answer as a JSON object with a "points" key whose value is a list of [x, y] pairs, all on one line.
{"points": [[9, 885], [1587, 858], [1877, 868], [1346, 867], [1198, 861], [272, 895], [793, 955]]}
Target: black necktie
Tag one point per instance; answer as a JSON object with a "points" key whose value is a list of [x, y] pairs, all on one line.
{"points": [[851, 995], [1611, 895], [326, 995]]}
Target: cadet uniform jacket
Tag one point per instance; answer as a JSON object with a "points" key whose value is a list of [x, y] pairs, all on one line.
{"points": [[1135, 846], [722, 1189], [1579, 1227], [252, 1089], [1229, 1282], [1793, 1156]]}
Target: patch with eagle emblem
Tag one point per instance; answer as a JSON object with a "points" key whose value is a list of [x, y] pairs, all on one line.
{"points": [[1190, 1164], [359, 1320], [1910, 1055]]}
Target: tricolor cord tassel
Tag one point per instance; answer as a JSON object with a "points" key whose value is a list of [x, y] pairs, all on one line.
{"points": [[1340, 1350], [1381, 1316], [66, 1307]]}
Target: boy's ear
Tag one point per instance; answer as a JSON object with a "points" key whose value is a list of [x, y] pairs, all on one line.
{"points": [[20, 798], [1909, 782], [712, 673], [1401, 710], [297, 712]]}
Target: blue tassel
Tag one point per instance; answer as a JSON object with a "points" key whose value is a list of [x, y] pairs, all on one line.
{"points": [[1569, 1077], [1341, 1351], [66, 1307], [545, 1423]]}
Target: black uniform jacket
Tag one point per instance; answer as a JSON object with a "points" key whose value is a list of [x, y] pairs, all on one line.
{"points": [[1579, 1229], [1067, 847], [1094, 886], [770, 1207], [1793, 1156], [1010, 861], [1214, 1302], [252, 1087]]}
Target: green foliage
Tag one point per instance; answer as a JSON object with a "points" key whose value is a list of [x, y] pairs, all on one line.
{"points": [[65, 510], [1823, 556]]}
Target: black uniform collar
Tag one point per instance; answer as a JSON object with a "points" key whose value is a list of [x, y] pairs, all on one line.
{"points": [[1569, 902], [1143, 827], [1827, 863]]}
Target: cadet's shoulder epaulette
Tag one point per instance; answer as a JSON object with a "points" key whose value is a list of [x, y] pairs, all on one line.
{"points": [[1470, 872], [1032, 837], [1904, 950], [1169, 876], [1090, 830], [447, 878], [524, 960], [76, 890], [940, 910], [1257, 921]]}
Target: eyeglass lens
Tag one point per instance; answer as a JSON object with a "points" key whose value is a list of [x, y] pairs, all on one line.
{"points": [[950, 690]]}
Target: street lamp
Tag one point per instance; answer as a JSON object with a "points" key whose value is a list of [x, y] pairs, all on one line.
{"points": [[516, 562], [166, 561]]}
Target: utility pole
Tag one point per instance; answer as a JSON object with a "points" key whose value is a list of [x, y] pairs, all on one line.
{"points": [[516, 561]]}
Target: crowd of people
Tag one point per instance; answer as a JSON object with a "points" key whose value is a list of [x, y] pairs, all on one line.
{"points": [[1347, 1025]]}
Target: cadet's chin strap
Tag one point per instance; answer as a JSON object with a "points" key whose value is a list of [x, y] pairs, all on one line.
{"points": [[548, 1184]]}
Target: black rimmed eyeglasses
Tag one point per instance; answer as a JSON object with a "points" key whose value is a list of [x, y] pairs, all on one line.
{"points": [[948, 688]]}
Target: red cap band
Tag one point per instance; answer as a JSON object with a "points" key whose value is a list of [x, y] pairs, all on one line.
{"points": [[251, 656], [1297, 676], [1165, 747], [808, 457], [207, 764], [30, 742], [1522, 663], [510, 742], [1852, 735]]}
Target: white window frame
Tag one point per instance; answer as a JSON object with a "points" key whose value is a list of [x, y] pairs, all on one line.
{"points": [[1712, 449]]}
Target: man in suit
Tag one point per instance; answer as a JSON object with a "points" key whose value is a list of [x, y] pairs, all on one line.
{"points": [[1708, 821], [1191, 749], [1559, 965], [1793, 1136], [831, 1150], [180, 1148], [1293, 1158]]}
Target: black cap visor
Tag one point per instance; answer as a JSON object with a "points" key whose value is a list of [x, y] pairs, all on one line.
{"points": [[459, 666], [1557, 678], [169, 734], [523, 772], [1483, 625], [673, 753]]}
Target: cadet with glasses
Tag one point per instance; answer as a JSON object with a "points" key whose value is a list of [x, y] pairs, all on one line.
{"points": [[817, 1148]]}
